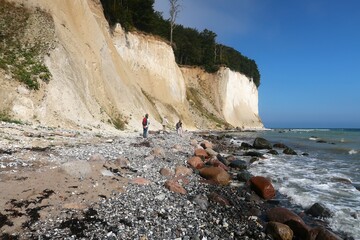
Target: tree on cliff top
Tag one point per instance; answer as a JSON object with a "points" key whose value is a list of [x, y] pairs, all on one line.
{"points": [[174, 11], [191, 47]]}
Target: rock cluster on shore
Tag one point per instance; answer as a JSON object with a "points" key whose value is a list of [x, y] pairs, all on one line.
{"points": [[83, 185]]}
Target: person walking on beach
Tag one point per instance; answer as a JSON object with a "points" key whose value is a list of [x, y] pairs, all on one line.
{"points": [[145, 123], [179, 127], [165, 122]]}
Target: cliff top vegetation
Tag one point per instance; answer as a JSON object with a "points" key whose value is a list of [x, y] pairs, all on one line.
{"points": [[190, 46]]}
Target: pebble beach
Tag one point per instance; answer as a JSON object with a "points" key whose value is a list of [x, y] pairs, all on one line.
{"points": [[65, 184]]}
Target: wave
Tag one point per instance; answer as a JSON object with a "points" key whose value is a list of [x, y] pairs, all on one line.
{"points": [[352, 151]]}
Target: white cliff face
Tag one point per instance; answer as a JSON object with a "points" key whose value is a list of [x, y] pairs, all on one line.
{"points": [[240, 99], [153, 63], [97, 75]]}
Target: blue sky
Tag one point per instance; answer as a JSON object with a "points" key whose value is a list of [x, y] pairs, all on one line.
{"points": [[307, 52]]}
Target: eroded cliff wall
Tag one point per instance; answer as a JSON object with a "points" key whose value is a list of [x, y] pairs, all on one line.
{"points": [[102, 77]]}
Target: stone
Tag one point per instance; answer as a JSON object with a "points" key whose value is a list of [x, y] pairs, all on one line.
{"points": [[158, 152], [282, 215], [262, 187], [254, 154], [215, 174], [215, 197], [202, 201], [261, 143], [174, 186], [320, 233], [273, 152], [238, 164], [196, 162], [140, 181], [206, 144], [216, 163], [279, 231], [97, 158], [122, 162], [294, 221], [245, 145], [211, 152], [289, 151], [280, 145], [182, 170], [166, 172], [319, 210], [200, 152], [222, 159], [243, 176]]}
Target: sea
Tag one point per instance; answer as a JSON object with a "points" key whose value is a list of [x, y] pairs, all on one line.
{"points": [[325, 170]]}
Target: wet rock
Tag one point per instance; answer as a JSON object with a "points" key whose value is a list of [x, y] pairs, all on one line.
{"points": [[238, 164], [273, 152], [289, 151], [206, 144], [320, 233], [245, 145], [319, 210], [244, 176], [211, 152], [280, 145], [254, 154], [262, 187], [261, 143]]}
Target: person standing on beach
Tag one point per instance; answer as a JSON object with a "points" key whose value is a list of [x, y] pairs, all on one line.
{"points": [[179, 127], [165, 122], [145, 124]]}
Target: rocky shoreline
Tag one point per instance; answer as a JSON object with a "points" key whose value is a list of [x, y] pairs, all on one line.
{"points": [[63, 184]]}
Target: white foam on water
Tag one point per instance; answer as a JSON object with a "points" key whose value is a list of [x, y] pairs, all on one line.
{"points": [[352, 151], [346, 220], [313, 138]]}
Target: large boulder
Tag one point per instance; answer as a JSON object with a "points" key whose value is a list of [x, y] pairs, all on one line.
{"points": [[279, 231], [295, 222], [262, 187], [320, 233], [261, 143], [282, 215], [215, 174]]}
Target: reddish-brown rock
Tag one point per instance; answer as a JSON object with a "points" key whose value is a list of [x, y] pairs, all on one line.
{"points": [[182, 170], [216, 174], [262, 187], [200, 152], [285, 216], [174, 186], [216, 163], [196, 162], [320, 233], [140, 181]]}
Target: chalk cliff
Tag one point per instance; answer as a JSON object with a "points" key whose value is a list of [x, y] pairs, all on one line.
{"points": [[103, 77]]}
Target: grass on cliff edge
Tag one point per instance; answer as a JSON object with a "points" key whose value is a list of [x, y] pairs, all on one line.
{"points": [[21, 60], [5, 117]]}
